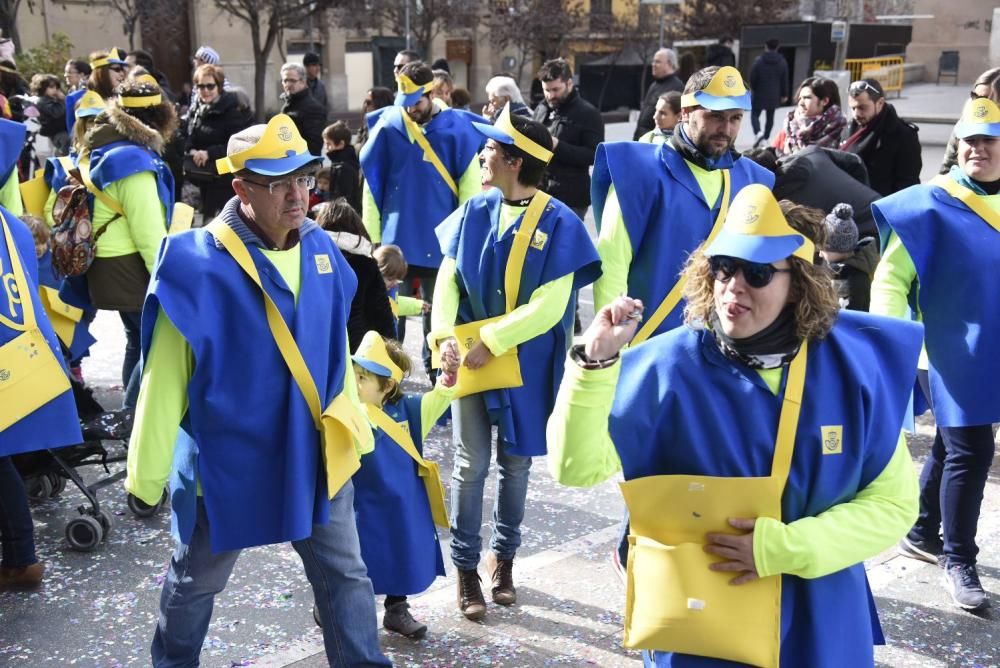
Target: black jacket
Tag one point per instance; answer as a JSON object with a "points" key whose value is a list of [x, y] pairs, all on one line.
{"points": [[720, 55], [579, 128], [657, 88], [309, 116], [210, 126], [345, 176], [769, 80], [370, 308], [890, 150]]}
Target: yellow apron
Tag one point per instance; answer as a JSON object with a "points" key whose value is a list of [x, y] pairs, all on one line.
{"points": [[674, 603], [30, 374]]}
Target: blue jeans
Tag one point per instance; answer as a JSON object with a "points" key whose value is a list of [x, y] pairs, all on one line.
{"points": [[473, 438], [332, 561], [17, 533], [952, 483]]}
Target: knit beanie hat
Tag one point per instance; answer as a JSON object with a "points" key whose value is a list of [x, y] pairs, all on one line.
{"points": [[841, 232], [207, 54]]}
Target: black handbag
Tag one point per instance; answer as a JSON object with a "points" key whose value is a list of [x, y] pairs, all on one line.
{"points": [[199, 174]]}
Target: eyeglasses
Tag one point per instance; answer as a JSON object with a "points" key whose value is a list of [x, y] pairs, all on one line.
{"points": [[756, 275], [396, 68], [282, 186], [210, 86], [288, 81], [858, 87]]}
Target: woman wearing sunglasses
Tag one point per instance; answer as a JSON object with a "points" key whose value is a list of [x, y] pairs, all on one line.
{"points": [[940, 259], [217, 115], [760, 445], [987, 85]]}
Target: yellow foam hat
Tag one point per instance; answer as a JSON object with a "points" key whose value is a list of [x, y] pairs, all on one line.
{"points": [[114, 57], [979, 117], [408, 92], [273, 149], [89, 104], [757, 231], [373, 356], [503, 131], [725, 91]]}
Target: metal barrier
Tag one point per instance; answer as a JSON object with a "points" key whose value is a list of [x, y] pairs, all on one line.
{"points": [[887, 71]]}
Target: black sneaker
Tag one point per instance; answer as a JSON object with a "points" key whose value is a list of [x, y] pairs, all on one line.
{"points": [[962, 582], [923, 550]]}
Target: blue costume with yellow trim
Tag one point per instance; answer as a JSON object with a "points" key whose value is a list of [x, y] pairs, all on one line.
{"points": [[411, 196], [56, 423], [239, 371], [71, 100], [120, 159], [399, 542], [470, 237], [682, 407], [664, 210], [961, 311], [12, 136]]}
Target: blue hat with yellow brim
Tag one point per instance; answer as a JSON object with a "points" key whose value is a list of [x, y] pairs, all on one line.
{"points": [[756, 230], [269, 150], [373, 356], [723, 93], [114, 57], [409, 93], [504, 132], [89, 104], [980, 117]]}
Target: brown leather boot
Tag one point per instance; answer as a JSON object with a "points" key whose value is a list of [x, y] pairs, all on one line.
{"points": [[22, 577], [470, 595], [502, 576]]}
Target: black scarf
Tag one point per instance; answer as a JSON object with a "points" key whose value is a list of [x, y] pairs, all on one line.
{"points": [[773, 346], [683, 145]]}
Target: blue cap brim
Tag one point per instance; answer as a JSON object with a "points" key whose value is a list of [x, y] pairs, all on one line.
{"points": [[966, 130], [92, 111], [715, 103], [279, 166], [374, 367], [408, 99], [752, 248], [493, 132], [117, 61]]}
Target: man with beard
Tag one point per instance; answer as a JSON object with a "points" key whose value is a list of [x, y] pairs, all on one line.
{"points": [[420, 163], [657, 203]]}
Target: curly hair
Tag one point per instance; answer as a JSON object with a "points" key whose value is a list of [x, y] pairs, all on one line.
{"points": [[812, 289]]}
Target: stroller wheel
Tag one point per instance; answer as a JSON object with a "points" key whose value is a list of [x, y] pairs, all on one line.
{"points": [[104, 517], [142, 509], [58, 484], [84, 533], [39, 487]]}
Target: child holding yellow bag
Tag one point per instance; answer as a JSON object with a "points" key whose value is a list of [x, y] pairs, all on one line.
{"points": [[398, 496]]}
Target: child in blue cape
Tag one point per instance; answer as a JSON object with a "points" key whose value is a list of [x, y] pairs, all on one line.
{"points": [[399, 542]]}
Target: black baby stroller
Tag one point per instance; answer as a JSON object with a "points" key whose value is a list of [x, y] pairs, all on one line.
{"points": [[45, 472]]}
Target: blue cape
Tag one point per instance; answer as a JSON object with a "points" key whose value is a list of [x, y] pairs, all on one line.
{"points": [[11, 142]]}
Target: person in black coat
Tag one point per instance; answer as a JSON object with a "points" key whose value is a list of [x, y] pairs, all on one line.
{"points": [[769, 87], [576, 128], [721, 54], [665, 79], [308, 115], [216, 116], [370, 309], [888, 145], [345, 168]]}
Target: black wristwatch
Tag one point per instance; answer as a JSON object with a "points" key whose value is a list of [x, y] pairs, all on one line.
{"points": [[577, 354]]}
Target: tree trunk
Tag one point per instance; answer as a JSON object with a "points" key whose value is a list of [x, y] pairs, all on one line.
{"points": [[8, 24]]}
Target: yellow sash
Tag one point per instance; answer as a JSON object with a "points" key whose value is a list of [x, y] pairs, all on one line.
{"points": [[34, 194], [674, 603], [428, 470], [418, 136], [340, 425], [182, 218], [30, 374], [503, 370], [674, 296], [62, 316], [969, 199]]}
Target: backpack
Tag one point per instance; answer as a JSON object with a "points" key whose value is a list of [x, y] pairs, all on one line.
{"points": [[73, 241]]}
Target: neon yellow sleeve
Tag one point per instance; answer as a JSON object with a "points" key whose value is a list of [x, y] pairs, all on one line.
{"points": [[50, 204], [162, 403], [894, 276], [846, 534], [145, 223], [470, 184], [580, 450], [10, 195], [444, 306], [433, 404], [615, 249], [409, 306], [370, 215], [543, 311]]}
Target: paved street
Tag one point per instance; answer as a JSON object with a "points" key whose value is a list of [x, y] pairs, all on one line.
{"points": [[98, 608]]}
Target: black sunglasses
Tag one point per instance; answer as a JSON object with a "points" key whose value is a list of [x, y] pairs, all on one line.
{"points": [[116, 68], [861, 86], [756, 275], [210, 86]]}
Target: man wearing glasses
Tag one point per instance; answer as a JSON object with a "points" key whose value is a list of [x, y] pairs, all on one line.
{"points": [[888, 145], [305, 110], [221, 416]]}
